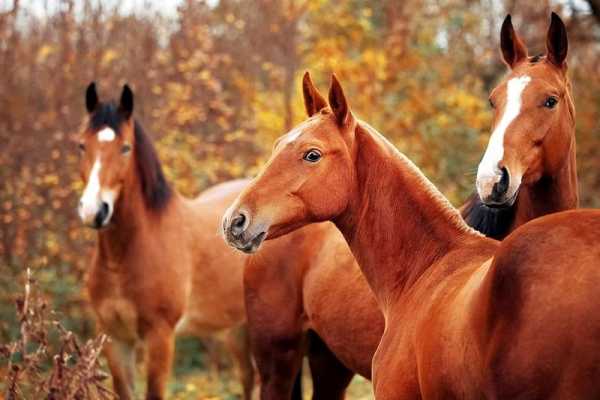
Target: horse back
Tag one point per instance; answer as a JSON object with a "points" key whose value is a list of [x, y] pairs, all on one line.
{"points": [[541, 328]]}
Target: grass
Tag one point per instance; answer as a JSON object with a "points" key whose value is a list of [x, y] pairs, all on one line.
{"points": [[203, 385]]}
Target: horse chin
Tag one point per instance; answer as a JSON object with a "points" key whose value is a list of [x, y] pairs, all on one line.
{"points": [[252, 245], [507, 203]]}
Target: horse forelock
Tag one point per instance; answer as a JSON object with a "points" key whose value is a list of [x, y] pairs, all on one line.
{"points": [[106, 115]]}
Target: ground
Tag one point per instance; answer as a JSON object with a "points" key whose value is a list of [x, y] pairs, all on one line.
{"points": [[207, 386]]}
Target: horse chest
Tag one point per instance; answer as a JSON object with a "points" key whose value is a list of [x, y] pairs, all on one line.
{"points": [[117, 312], [118, 317]]}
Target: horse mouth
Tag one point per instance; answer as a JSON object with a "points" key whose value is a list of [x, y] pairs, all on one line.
{"points": [[252, 245], [508, 203]]}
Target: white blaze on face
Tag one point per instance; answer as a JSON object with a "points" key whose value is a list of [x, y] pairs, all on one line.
{"points": [[106, 135], [292, 136], [93, 197], [488, 172]]}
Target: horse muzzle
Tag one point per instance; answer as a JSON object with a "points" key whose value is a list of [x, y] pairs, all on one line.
{"points": [[497, 189], [95, 216], [239, 233]]}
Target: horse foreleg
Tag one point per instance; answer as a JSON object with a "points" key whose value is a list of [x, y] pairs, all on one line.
{"points": [[278, 361], [160, 341], [121, 362], [238, 343], [330, 377]]}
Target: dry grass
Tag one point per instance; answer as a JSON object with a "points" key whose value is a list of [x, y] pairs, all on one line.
{"points": [[206, 386], [46, 361]]}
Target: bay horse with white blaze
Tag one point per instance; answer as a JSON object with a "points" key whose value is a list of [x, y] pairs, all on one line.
{"points": [[465, 316], [159, 266], [309, 281]]}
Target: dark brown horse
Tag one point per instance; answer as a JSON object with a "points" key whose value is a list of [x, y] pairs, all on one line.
{"points": [[159, 265], [309, 281], [465, 316]]}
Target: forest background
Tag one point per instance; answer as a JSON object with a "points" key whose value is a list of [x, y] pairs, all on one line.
{"points": [[217, 81]]}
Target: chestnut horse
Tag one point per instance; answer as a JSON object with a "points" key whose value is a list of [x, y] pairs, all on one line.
{"points": [[159, 265], [318, 287], [528, 169], [465, 316]]}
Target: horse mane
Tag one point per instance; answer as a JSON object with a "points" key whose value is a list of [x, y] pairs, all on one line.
{"points": [[492, 222], [435, 195], [155, 189]]}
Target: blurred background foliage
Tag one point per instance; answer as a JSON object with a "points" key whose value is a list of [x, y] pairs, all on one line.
{"points": [[217, 81]]}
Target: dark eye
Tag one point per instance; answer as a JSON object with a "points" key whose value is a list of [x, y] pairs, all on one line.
{"points": [[81, 147], [126, 148], [550, 102], [492, 103], [312, 156]]}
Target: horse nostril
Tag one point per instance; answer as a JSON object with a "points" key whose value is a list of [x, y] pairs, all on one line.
{"points": [[238, 224], [501, 187], [101, 214]]}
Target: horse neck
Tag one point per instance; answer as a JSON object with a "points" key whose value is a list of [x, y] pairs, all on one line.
{"points": [[131, 220], [550, 194], [397, 224]]}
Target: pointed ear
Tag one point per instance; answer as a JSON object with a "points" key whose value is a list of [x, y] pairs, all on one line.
{"points": [[337, 101], [557, 43], [126, 102], [513, 49], [313, 101], [91, 97]]}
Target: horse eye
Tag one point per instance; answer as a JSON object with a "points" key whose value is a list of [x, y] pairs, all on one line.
{"points": [[312, 156], [126, 148], [81, 146], [550, 102]]}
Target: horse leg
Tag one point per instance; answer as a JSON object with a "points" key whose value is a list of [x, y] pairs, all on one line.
{"points": [[160, 341], [330, 377], [278, 362], [121, 362], [277, 342], [238, 344]]}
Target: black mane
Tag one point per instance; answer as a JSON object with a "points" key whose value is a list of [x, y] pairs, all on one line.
{"points": [[106, 114], [155, 188], [492, 222]]}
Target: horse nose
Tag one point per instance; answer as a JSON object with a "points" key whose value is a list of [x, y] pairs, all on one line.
{"points": [[501, 187], [239, 223], [101, 214]]}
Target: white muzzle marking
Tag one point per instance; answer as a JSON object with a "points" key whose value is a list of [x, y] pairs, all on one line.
{"points": [[488, 172], [93, 197]]}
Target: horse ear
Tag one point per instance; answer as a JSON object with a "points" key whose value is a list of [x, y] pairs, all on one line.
{"points": [[337, 101], [313, 101], [91, 97], [126, 102], [513, 48], [557, 43]]}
